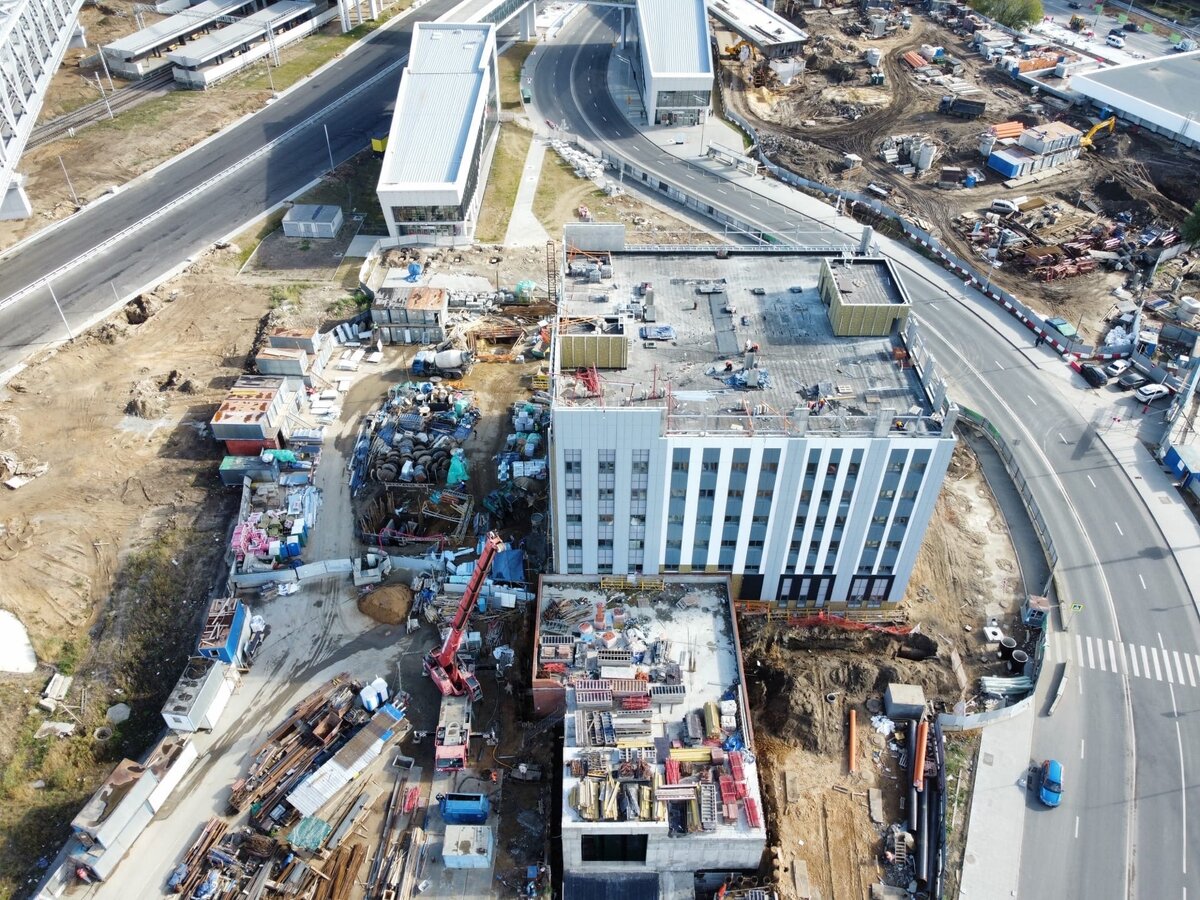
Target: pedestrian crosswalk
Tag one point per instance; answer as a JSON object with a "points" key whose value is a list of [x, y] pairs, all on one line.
{"points": [[1135, 660]]}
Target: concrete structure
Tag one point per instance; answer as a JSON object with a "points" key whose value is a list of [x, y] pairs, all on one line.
{"points": [[406, 313], [672, 60], [443, 132], [117, 813], [904, 701], [738, 434], [34, 35], [1154, 94], [312, 221], [647, 683], [771, 35], [200, 695], [863, 296]]}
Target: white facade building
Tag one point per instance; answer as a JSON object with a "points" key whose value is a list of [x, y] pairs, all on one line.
{"points": [[1151, 94], [673, 61], [807, 468], [443, 132]]}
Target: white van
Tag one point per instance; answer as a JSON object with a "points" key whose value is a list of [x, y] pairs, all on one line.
{"points": [[1115, 40], [1005, 206]]}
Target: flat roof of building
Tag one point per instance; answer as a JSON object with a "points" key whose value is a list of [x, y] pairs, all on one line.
{"points": [[867, 281], [174, 27], [650, 662], [233, 37], [311, 212], [776, 305], [753, 21], [1052, 130], [1161, 82], [440, 93], [676, 36]]}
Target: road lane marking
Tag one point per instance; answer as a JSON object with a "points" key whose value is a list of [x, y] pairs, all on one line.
{"points": [[1146, 662], [998, 366], [1064, 645], [1091, 656], [1191, 678], [1142, 580], [1133, 659], [1178, 665], [1089, 478], [1081, 748], [1157, 668], [1077, 826], [1119, 531], [1079, 648], [1100, 654], [1112, 655], [1183, 795], [1061, 438], [1031, 400], [932, 305]]}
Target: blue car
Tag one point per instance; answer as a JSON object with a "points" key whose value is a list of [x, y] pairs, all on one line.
{"points": [[1050, 785]]}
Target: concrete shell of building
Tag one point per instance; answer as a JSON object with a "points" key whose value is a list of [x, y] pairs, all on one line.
{"points": [[443, 132], [739, 435]]}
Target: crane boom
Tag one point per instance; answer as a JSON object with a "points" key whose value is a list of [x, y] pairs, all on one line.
{"points": [[442, 665]]}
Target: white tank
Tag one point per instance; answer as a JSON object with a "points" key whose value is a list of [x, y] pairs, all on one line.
{"points": [[925, 154], [986, 142], [1188, 307], [874, 55]]}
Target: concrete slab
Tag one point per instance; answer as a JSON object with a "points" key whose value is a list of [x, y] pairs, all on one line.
{"points": [[524, 229]]}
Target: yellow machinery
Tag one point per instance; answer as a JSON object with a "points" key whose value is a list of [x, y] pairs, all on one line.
{"points": [[1109, 125], [1078, 23], [733, 50]]}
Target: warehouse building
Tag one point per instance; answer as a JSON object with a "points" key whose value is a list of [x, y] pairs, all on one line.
{"points": [[716, 423], [443, 132], [672, 61], [660, 779], [1155, 94]]}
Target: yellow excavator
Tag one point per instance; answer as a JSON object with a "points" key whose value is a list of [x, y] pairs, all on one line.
{"points": [[1109, 125], [732, 51]]}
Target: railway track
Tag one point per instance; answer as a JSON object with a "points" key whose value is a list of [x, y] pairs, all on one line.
{"points": [[148, 88]]}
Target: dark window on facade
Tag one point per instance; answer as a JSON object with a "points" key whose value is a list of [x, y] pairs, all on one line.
{"points": [[613, 847]]}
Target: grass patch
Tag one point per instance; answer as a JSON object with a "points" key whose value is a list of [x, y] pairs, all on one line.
{"points": [[349, 306], [352, 187], [558, 180], [147, 635], [510, 64], [249, 239], [286, 295], [503, 182]]}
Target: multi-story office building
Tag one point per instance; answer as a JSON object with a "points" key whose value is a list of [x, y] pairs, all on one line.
{"points": [[707, 419]]}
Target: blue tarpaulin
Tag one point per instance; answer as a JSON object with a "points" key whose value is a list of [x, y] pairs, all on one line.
{"points": [[508, 566]]}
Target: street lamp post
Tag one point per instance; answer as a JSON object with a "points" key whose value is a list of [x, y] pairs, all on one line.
{"points": [[62, 315], [328, 147]]}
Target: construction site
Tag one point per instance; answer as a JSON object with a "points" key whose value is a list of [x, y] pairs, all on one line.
{"points": [[945, 122]]}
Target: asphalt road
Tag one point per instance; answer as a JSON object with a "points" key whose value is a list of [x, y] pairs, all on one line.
{"points": [[138, 259], [1128, 744], [1135, 42]]}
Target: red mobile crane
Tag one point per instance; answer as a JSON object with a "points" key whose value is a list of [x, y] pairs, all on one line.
{"points": [[443, 665]]}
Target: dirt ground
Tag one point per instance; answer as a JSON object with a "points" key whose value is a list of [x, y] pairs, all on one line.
{"points": [[830, 110], [803, 682]]}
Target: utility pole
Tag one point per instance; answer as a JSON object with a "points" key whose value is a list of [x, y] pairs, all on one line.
{"points": [[58, 306], [70, 187], [104, 96], [328, 147]]}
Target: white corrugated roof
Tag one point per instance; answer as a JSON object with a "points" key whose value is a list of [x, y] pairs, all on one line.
{"points": [[448, 47], [174, 27], [676, 36], [442, 91]]}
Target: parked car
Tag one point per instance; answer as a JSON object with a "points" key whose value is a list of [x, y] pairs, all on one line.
{"points": [[1063, 327], [1050, 783], [1094, 376], [1152, 392], [1117, 367], [1131, 379]]}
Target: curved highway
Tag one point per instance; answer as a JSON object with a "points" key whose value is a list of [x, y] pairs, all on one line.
{"points": [[1130, 745]]}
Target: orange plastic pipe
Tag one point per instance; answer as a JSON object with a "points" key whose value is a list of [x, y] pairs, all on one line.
{"points": [[853, 740], [919, 759]]}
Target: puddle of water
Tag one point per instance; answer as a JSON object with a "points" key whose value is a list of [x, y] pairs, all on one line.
{"points": [[16, 653]]}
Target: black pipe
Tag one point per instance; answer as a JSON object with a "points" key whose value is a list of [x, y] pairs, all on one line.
{"points": [[912, 750], [923, 838], [912, 809]]}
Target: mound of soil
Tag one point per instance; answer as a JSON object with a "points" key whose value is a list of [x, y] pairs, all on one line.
{"points": [[388, 604]]}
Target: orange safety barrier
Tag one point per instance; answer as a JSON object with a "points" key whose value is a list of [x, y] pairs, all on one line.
{"points": [[853, 740]]}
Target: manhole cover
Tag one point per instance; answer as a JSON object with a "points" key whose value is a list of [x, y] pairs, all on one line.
{"points": [[988, 759]]}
